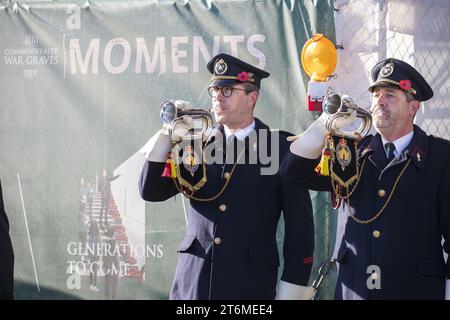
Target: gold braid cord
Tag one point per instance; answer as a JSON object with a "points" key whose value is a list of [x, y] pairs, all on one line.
{"points": [[181, 182], [339, 186], [385, 204]]}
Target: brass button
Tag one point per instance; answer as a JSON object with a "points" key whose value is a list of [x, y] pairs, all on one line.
{"points": [[376, 234], [381, 193], [217, 240], [227, 175], [222, 207]]}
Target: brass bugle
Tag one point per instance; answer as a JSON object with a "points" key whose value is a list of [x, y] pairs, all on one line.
{"points": [[169, 112], [173, 115], [337, 106]]}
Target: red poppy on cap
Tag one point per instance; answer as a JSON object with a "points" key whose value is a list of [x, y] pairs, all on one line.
{"points": [[243, 76], [405, 84]]}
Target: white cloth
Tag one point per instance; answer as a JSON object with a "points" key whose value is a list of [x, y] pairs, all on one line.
{"points": [[311, 142], [290, 291], [157, 148]]}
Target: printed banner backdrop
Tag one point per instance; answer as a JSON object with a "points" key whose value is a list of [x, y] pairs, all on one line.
{"points": [[82, 84]]}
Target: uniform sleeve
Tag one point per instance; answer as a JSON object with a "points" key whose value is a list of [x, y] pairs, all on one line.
{"points": [[297, 176], [298, 244], [152, 186], [300, 171], [444, 210]]}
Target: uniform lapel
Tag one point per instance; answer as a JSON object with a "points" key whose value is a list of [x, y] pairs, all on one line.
{"points": [[376, 152], [417, 149]]}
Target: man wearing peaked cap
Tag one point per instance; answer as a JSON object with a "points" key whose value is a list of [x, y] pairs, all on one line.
{"points": [[399, 211], [396, 73], [230, 247], [228, 70]]}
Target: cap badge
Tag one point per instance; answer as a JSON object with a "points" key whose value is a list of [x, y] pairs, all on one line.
{"points": [[221, 67], [387, 70]]}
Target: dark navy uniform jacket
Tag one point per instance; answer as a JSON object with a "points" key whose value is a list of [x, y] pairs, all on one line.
{"points": [[405, 240], [6, 255], [230, 249]]}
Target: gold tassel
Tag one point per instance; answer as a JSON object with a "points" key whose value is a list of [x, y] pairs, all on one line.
{"points": [[323, 168], [169, 168], [173, 171]]}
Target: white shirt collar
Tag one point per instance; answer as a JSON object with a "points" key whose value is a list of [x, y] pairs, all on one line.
{"points": [[240, 134], [400, 144]]}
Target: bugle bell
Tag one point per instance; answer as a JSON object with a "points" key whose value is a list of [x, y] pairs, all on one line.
{"points": [[337, 106], [173, 116]]}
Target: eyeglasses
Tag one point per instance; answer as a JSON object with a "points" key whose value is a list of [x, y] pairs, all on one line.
{"points": [[226, 91]]}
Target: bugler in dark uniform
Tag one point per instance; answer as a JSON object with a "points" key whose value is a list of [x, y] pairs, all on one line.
{"points": [[400, 210], [230, 248]]}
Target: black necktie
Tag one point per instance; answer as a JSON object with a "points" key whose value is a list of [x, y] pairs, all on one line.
{"points": [[390, 148]]}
